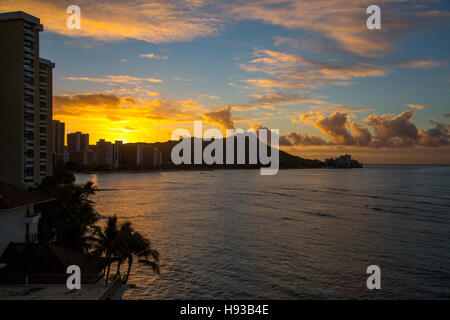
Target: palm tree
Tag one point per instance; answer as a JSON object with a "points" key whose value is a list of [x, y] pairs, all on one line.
{"points": [[105, 242], [123, 244], [141, 248]]}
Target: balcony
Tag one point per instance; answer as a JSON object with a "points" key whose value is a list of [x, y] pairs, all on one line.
{"points": [[29, 87], [29, 109], [28, 50], [29, 165], [28, 31]]}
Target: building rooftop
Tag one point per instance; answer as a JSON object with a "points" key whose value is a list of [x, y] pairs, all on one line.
{"points": [[36, 258], [47, 62], [14, 197], [19, 15]]}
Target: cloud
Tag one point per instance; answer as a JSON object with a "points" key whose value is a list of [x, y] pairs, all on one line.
{"points": [[341, 23], [294, 43], [109, 106], [388, 131], [92, 99], [150, 21], [416, 106], [111, 79], [152, 56], [294, 71], [181, 79], [277, 98], [101, 109], [435, 137], [298, 139], [396, 132], [269, 83], [418, 64], [204, 95], [335, 127], [222, 118]]}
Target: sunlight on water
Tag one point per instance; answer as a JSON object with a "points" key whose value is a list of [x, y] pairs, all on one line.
{"points": [[300, 234]]}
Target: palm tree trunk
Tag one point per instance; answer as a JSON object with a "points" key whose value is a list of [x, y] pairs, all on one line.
{"points": [[130, 262], [109, 268], [118, 269]]}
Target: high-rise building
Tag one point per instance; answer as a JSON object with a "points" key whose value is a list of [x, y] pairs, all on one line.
{"points": [[143, 155], [26, 102], [58, 141], [104, 154], [117, 153], [77, 141]]}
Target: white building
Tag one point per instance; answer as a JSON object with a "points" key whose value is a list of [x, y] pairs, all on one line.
{"points": [[19, 215]]}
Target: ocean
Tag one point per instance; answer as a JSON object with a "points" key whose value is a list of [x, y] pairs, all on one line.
{"points": [[301, 234]]}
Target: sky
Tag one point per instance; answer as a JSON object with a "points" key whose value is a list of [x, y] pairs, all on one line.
{"points": [[138, 69]]}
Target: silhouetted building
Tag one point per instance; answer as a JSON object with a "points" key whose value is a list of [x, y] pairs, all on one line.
{"points": [[58, 141], [344, 161], [131, 155], [104, 154], [140, 155], [77, 141], [151, 156], [117, 154], [25, 93]]}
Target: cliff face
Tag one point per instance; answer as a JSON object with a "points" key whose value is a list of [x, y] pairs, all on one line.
{"points": [[286, 160]]}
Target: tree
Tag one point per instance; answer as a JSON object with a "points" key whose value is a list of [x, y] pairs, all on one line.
{"points": [[106, 242], [141, 248], [67, 221], [124, 244]]}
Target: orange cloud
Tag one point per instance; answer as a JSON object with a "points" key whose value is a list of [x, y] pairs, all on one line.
{"points": [[342, 22], [152, 56], [418, 64], [130, 119], [416, 106], [293, 71], [388, 132], [151, 21], [222, 118], [111, 79]]}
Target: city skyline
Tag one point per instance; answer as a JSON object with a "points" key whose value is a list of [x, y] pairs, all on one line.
{"points": [[331, 88]]}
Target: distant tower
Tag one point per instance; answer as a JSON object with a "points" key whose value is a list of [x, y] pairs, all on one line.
{"points": [[26, 147], [77, 141], [58, 140]]}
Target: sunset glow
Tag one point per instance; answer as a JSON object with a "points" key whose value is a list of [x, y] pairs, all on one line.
{"points": [[137, 70]]}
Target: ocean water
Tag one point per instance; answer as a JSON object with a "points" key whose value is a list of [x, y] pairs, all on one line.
{"points": [[301, 234]]}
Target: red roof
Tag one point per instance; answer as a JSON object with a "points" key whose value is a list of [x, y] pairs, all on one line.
{"points": [[14, 197], [37, 258]]}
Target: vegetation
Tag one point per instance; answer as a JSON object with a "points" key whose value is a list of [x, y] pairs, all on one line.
{"points": [[69, 220], [122, 244]]}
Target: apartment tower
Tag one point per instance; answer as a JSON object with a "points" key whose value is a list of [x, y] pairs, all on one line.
{"points": [[26, 147]]}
